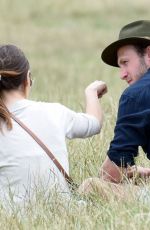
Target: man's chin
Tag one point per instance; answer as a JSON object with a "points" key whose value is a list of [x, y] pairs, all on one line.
{"points": [[130, 82]]}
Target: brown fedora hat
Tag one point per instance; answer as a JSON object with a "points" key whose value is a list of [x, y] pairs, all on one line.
{"points": [[135, 33]]}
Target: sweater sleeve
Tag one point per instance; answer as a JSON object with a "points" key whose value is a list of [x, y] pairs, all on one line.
{"points": [[79, 125]]}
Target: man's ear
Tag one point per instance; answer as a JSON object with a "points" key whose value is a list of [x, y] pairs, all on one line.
{"points": [[147, 56], [148, 51]]}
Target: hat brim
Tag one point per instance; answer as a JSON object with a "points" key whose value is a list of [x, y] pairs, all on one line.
{"points": [[109, 54]]}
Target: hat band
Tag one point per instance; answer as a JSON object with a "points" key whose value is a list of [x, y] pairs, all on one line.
{"points": [[146, 37]]}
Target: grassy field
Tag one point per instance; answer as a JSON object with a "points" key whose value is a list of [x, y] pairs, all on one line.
{"points": [[63, 40]]}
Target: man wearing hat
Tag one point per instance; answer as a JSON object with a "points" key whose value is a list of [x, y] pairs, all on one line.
{"points": [[131, 53]]}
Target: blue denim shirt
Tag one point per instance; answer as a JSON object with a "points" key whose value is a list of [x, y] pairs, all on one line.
{"points": [[133, 123]]}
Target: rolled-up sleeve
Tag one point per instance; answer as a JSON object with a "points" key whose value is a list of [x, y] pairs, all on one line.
{"points": [[129, 132], [79, 125]]}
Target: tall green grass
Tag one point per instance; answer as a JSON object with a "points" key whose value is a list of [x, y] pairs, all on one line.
{"points": [[63, 40]]}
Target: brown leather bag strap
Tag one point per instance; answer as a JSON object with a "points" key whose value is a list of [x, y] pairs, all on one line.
{"points": [[43, 146]]}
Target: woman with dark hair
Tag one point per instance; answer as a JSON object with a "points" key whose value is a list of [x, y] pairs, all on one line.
{"points": [[24, 164]]}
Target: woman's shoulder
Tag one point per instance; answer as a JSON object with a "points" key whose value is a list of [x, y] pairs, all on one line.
{"points": [[47, 107]]}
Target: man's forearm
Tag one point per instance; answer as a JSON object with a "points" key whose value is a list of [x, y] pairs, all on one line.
{"points": [[109, 171]]}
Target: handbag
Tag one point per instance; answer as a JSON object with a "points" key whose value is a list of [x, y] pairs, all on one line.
{"points": [[44, 147]]}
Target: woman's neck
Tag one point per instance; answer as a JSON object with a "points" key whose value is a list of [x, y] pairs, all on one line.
{"points": [[12, 96]]}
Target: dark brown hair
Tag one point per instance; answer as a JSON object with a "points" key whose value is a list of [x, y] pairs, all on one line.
{"points": [[14, 67], [141, 49]]}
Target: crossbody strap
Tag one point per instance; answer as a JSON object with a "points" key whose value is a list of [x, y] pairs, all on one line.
{"points": [[44, 147]]}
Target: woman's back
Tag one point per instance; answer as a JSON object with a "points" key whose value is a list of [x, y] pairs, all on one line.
{"points": [[23, 162]]}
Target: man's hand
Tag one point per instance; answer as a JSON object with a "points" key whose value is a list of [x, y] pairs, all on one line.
{"points": [[111, 172], [138, 171]]}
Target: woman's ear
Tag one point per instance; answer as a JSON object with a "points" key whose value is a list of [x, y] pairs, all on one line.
{"points": [[28, 79], [27, 84]]}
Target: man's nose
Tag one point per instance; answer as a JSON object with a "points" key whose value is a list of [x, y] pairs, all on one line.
{"points": [[123, 74]]}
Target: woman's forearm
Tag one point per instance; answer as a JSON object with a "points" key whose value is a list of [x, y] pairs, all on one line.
{"points": [[92, 94]]}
